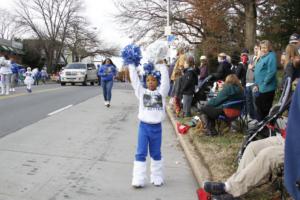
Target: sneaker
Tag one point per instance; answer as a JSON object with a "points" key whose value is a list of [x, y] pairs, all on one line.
{"points": [[108, 105], [13, 89], [105, 103], [223, 197], [215, 188]]}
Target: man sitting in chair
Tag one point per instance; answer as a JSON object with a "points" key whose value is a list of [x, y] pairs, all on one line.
{"points": [[232, 90], [260, 159]]}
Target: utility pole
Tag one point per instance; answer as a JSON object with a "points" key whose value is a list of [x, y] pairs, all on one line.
{"points": [[169, 26], [168, 12]]}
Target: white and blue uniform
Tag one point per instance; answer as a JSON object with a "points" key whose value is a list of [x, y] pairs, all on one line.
{"points": [[151, 114]]}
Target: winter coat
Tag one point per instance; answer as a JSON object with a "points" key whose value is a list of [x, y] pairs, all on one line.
{"points": [[107, 72], [265, 73], [14, 68], [290, 71], [5, 66], [189, 81], [229, 93], [223, 70], [203, 72], [240, 71], [292, 150]]}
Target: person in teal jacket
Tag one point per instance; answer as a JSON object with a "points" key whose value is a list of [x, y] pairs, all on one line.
{"points": [[232, 91], [265, 79]]}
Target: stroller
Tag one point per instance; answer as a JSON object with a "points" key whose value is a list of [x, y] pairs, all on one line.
{"points": [[271, 125], [202, 91]]}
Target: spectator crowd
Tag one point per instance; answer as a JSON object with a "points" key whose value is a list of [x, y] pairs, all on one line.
{"points": [[242, 84]]}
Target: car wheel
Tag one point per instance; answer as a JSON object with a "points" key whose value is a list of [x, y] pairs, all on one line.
{"points": [[84, 83], [92, 83], [62, 83], [73, 83]]}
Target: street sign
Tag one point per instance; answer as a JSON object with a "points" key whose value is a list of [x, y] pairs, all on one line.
{"points": [[171, 38], [168, 30]]}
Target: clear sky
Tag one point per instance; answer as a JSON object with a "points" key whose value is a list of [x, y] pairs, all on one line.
{"points": [[99, 13]]}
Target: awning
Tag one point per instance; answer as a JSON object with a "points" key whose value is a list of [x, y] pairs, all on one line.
{"points": [[10, 49], [5, 48]]}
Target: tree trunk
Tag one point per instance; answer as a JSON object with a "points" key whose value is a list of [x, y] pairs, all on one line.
{"points": [[250, 24]]}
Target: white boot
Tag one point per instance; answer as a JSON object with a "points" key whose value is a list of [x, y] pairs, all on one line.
{"points": [[139, 174], [2, 89], [7, 90], [157, 177]]}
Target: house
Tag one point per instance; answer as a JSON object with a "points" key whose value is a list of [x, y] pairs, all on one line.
{"points": [[12, 48]]}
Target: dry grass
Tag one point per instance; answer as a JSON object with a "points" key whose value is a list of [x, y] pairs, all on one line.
{"points": [[219, 154]]}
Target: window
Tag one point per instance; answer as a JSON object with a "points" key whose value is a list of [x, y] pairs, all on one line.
{"points": [[76, 66]]}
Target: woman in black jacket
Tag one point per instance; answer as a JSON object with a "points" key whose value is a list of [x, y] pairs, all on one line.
{"points": [[188, 82]]}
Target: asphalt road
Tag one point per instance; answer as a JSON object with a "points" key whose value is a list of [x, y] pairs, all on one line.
{"points": [[21, 109], [86, 152]]}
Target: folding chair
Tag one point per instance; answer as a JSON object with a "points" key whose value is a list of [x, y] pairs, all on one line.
{"points": [[231, 115]]}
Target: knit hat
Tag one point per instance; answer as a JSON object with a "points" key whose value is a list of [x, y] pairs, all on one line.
{"points": [[295, 37], [245, 51]]}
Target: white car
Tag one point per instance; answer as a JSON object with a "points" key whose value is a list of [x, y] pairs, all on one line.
{"points": [[79, 73]]}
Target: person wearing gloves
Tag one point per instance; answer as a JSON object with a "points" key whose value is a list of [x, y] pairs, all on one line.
{"points": [[5, 72], [107, 71], [151, 93]]}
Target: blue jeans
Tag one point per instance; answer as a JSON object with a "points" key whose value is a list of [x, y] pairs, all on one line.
{"points": [[171, 92], [107, 87], [250, 105], [149, 135]]}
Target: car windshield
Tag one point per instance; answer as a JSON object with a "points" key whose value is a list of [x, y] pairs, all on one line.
{"points": [[76, 66]]}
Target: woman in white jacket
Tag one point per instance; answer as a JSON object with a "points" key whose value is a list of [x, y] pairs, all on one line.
{"points": [[5, 72]]}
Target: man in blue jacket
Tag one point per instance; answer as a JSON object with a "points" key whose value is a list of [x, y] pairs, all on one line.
{"points": [[14, 77]]}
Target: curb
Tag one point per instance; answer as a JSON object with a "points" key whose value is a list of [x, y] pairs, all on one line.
{"points": [[193, 156]]}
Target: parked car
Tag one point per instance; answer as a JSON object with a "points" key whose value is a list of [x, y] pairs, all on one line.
{"points": [[79, 73]]}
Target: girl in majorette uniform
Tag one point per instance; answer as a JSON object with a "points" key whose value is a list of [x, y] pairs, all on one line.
{"points": [[151, 92], [28, 79]]}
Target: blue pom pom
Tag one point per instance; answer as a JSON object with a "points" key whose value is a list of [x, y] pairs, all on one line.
{"points": [[131, 54]]}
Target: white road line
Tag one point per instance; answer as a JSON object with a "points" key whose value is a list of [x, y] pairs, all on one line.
{"points": [[59, 110]]}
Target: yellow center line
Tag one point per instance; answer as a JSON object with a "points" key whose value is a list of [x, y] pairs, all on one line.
{"points": [[26, 93]]}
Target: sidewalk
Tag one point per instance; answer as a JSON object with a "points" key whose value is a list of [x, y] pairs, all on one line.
{"points": [[86, 153]]}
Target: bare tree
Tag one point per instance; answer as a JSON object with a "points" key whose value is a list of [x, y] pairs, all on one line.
{"points": [[49, 21], [8, 27], [147, 19], [83, 41]]}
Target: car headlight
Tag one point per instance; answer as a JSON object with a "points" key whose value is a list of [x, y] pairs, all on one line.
{"points": [[80, 73]]}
